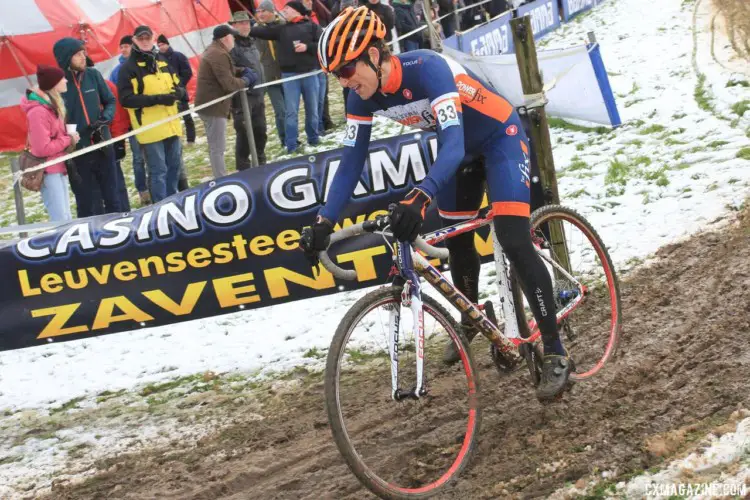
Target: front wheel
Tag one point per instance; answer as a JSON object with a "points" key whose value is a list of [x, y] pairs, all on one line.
{"points": [[592, 332], [411, 448]]}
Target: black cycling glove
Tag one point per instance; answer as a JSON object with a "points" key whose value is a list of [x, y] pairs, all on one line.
{"points": [[316, 238], [408, 216]]}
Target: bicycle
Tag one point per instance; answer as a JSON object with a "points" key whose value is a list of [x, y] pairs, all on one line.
{"points": [[401, 469]]}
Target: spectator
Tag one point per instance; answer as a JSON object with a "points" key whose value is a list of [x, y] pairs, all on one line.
{"points": [[89, 105], [120, 126], [245, 55], [139, 163], [298, 44], [340, 5], [406, 21], [269, 57], [178, 63], [385, 13], [48, 138], [216, 78], [449, 23], [150, 91], [324, 120]]}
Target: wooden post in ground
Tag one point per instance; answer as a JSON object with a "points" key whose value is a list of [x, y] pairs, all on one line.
{"points": [[18, 195], [435, 43], [249, 128], [533, 89]]}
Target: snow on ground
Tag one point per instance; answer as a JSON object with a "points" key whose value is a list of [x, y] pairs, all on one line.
{"points": [[671, 170], [718, 468]]}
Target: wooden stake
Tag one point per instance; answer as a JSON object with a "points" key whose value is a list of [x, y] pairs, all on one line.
{"points": [[532, 85]]}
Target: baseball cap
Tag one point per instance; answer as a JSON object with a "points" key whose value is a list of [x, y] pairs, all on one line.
{"points": [[142, 30], [223, 30]]}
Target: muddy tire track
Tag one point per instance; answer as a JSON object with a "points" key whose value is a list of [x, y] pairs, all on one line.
{"points": [[682, 365]]}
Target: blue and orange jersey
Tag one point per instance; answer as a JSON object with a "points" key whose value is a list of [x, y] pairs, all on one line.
{"points": [[429, 91]]}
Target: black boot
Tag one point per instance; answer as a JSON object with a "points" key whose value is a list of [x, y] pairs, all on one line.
{"points": [[450, 355], [556, 370]]}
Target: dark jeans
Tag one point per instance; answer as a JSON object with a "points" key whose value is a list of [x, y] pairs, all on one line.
{"points": [[94, 180], [308, 88], [164, 161], [409, 45], [242, 146], [449, 25], [276, 95], [188, 119], [122, 189]]}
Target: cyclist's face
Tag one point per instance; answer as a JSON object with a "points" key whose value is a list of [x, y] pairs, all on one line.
{"points": [[363, 81]]}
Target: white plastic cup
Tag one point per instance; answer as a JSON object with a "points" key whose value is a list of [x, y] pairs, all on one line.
{"points": [[71, 128]]}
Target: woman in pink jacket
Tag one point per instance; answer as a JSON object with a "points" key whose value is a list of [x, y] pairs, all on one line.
{"points": [[49, 139]]}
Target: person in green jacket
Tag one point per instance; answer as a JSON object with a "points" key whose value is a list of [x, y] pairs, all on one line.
{"points": [[89, 105]]}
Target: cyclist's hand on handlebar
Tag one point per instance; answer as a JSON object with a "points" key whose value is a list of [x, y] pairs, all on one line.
{"points": [[316, 238], [408, 216]]}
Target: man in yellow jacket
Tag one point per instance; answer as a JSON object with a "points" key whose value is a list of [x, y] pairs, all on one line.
{"points": [[149, 90]]}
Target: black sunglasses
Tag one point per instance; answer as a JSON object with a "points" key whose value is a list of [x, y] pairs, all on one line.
{"points": [[346, 71]]}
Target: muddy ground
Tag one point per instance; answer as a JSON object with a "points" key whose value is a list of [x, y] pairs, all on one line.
{"points": [[682, 369]]}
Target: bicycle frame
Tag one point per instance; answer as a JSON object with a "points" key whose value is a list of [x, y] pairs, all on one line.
{"points": [[485, 218]]}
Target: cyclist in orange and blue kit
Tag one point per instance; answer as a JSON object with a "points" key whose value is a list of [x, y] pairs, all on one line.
{"points": [[480, 140]]}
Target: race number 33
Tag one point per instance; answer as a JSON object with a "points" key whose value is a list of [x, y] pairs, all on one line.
{"points": [[446, 113], [350, 135]]}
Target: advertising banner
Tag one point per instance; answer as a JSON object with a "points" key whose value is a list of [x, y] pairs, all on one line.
{"points": [[572, 8], [545, 16], [489, 39], [220, 247]]}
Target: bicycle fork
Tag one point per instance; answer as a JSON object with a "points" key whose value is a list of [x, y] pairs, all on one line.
{"points": [[411, 296]]}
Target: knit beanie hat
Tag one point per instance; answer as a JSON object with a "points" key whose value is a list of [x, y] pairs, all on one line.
{"points": [[266, 5], [48, 77], [298, 6], [162, 39]]}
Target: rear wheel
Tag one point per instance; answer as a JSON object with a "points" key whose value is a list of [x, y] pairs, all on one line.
{"points": [[591, 333], [410, 448]]}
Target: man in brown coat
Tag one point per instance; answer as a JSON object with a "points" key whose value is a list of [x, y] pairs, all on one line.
{"points": [[217, 77]]}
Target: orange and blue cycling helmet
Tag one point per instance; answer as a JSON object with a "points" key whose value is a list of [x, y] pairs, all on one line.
{"points": [[346, 38]]}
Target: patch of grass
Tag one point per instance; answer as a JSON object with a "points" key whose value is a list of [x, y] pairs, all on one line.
{"points": [[678, 116], [580, 147], [577, 165], [358, 356], [617, 173], [313, 352], [717, 144], [70, 405], [744, 153], [172, 384], [106, 395], [636, 142], [642, 160], [740, 108], [11, 459], [578, 194], [669, 141], [738, 83], [613, 191], [733, 180], [562, 124], [700, 94], [712, 187], [652, 129]]}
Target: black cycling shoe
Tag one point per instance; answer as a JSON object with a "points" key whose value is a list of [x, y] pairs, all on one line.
{"points": [[556, 370], [450, 355]]}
